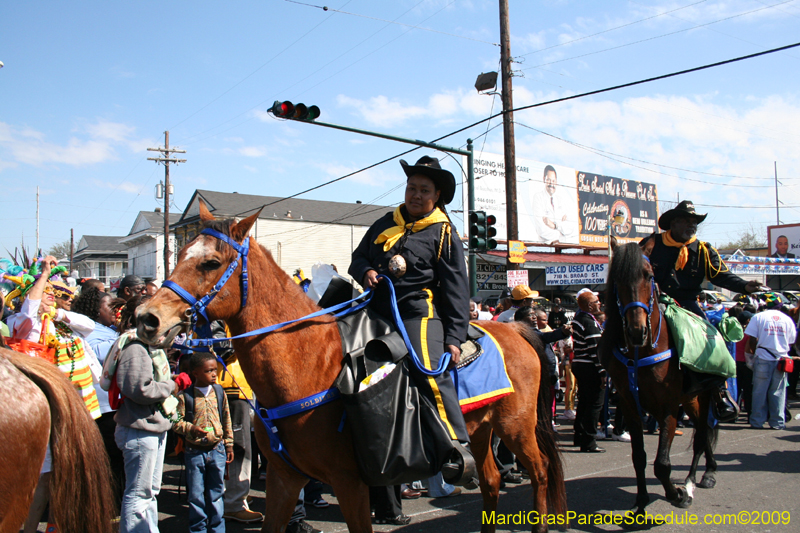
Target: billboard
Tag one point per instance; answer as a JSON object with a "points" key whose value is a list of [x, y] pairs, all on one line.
{"points": [[602, 196], [557, 204], [784, 241], [547, 203]]}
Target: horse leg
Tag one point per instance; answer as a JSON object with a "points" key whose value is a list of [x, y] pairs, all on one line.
{"points": [[353, 496], [708, 439], [481, 446], [636, 431], [281, 492], [677, 496], [522, 441]]}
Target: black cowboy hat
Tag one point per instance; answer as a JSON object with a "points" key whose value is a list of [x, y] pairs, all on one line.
{"points": [[429, 167], [683, 209]]}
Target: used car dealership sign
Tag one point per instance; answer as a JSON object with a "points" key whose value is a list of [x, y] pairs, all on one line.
{"points": [[592, 274]]}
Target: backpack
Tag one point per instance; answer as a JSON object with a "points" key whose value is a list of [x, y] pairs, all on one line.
{"points": [[188, 401]]}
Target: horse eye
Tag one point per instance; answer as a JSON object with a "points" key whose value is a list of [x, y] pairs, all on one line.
{"points": [[211, 264]]}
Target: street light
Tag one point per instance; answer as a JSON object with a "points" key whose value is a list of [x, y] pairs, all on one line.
{"points": [[617, 218], [486, 81]]}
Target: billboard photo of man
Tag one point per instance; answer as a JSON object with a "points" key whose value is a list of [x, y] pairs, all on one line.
{"points": [[555, 210], [782, 248]]}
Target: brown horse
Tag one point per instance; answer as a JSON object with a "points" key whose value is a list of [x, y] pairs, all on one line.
{"points": [[40, 405], [305, 358], [638, 330]]}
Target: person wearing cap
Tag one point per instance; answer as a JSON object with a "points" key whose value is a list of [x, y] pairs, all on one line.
{"points": [[131, 286], [772, 334], [419, 250], [521, 296], [681, 262]]}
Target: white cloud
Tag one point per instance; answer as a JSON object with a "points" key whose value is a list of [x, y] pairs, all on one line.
{"points": [[91, 143], [252, 151], [125, 186], [375, 177]]}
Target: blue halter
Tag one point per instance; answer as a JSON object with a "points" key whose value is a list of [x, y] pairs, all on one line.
{"points": [[199, 306]]}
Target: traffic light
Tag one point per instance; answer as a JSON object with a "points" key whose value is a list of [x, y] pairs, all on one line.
{"points": [[481, 231], [294, 112]]}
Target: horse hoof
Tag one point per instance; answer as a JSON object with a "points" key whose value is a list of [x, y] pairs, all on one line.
{"points": [[708, 482], [683, 500]]}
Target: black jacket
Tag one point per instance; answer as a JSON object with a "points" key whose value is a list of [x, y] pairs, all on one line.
{"points": [[446, 277], [686, 284]]}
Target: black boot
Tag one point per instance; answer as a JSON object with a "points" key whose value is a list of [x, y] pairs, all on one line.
{"points": [[461, 469], [723, 406]]}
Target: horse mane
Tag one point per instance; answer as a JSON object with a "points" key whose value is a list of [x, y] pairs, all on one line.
{"points": [[627, 265]]}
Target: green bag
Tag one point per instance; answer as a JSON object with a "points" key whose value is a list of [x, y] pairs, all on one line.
{"points": [[700, 345], [731, 329]]}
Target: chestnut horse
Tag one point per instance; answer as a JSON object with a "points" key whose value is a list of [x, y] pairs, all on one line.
{"points": [[637, 331], [305, 358], [39, 402]]}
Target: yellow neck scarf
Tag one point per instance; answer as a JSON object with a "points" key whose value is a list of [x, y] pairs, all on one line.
{"points": [[683, 255], [393, 234]]}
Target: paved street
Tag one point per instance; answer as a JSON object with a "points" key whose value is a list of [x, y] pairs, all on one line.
{"points": [[758, 471]]}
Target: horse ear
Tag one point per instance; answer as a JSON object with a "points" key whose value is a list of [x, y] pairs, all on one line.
{"points": [[205, 214], [648, 246], [614, 243], [241, 228]]}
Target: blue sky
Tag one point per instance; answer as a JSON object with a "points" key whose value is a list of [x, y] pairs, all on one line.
{"points": [[88, 86]]}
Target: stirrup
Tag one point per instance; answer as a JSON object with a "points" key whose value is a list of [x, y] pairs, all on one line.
{"points": [[724, 408], [460, 470]]}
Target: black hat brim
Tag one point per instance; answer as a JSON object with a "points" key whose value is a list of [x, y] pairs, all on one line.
{"points": [[443, 179], [666, 219]]}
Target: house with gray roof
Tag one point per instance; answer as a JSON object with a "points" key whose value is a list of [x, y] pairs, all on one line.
{"points": [[144, 245], [298, 232], [101, 257]]}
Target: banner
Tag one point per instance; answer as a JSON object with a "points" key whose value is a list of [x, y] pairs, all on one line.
{"points": [[601, 197], [743, 264], [490, 277], [516, 277], [590, 274], [784, 241], [516, 252]]}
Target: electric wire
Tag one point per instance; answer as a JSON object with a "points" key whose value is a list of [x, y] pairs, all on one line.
{"points": [[657, 36], [412, 26], [541, 104], [609, 155], [611, 29]]}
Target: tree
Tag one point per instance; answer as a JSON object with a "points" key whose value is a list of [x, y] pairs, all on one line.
{"points": [[61, 250], [748, 239]]}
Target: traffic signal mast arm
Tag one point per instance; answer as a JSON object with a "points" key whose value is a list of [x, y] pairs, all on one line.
{"points": [[287, 110]]}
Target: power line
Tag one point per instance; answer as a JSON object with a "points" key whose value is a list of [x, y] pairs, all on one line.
{"points": [[611, 29], [412, 26], [659, 36], [603, 153], [548, 102]]}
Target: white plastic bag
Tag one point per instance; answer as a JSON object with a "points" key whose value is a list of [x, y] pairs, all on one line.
{"points": [[321, 276]]}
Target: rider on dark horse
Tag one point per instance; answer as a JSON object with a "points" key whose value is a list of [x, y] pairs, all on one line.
{"points": [[681, 263]]}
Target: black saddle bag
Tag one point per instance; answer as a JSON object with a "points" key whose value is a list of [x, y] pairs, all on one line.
{"points": [[398, 436]]}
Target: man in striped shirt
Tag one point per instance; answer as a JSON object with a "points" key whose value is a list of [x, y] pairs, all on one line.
{"points": [[590, 375]]}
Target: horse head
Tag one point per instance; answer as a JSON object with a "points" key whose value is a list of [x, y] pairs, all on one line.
{"points": [[632, 292], [195, 286]]}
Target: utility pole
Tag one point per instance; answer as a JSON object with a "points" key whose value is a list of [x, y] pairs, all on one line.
{"points": [[37, 222], [166, 160], [71, 248], [508, 125], [777, 209]]}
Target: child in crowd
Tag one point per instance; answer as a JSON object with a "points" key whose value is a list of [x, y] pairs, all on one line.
{"points": [[206, 425]]}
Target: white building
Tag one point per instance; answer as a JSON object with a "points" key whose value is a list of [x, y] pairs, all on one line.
{"points": [[145, 245], [299, 233], [101, 257]]}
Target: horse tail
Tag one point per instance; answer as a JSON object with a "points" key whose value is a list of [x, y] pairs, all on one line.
{"points": [[546, 437], [81, 498]]}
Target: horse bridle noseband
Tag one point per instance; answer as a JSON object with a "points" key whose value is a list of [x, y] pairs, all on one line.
{"points": [[199, 306], [647, 309]]}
